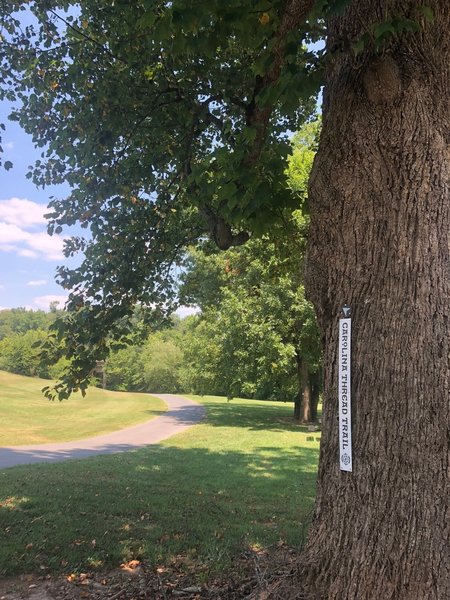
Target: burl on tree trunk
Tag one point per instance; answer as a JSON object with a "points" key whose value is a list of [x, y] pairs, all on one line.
{"points": [[380, 241]]}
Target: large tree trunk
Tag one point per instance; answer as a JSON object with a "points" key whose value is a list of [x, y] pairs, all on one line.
{"points": [[380, 241]]}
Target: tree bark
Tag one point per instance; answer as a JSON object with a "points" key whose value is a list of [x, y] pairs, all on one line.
{"points": [[305, 391], [314, 379], [297, 407], [298, 398], [380, 242], [302, 405]]}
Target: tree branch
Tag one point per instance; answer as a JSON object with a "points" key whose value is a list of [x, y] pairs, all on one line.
{"points": [[87, 37], [221, 230], [295, 13]]}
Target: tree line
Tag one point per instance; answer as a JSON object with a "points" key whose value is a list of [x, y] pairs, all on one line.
{"points": [[226, 350], [21, 333]]}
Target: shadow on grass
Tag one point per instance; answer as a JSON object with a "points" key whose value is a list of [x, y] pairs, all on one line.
{"points": [[260, 416], [136, 436], [161, 504], [251, 416]]}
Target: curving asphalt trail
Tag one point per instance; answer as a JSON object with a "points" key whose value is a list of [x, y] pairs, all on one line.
{"points": [[181, 414]]}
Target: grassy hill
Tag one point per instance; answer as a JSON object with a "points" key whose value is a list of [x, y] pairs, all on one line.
{"points": [[28, 418]]}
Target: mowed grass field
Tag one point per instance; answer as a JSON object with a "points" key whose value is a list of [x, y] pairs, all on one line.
{"points": [[244, 478], [27, 417]]}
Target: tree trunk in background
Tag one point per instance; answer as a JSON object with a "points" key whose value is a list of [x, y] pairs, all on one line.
{"points": [[302, 405], [314, 379], [305, 393], [380, 241], [298, 397], [297, 407]]}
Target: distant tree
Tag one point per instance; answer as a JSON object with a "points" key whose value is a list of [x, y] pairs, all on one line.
{"points": [[124, 369], [22, 333], [162, 360], [150, 365], [21, 320], [19, 354], [53, 306], [305, 143], [256, 335]]}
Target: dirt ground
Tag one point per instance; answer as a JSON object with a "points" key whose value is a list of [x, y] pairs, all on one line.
{"points": [[256, 573]]}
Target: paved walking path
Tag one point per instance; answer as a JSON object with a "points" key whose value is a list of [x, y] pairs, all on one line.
{"points": [[181, 414]]}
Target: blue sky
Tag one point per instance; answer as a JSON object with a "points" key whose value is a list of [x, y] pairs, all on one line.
{"points": [[28, 256]]}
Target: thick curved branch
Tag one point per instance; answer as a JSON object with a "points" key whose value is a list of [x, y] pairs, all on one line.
{"points": [[295, 13], [221, 230]]}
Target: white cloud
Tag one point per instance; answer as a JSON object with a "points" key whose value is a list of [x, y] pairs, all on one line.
{"points": [[8, 145], [36, 282], [185, 311], [26, 253], [22, 212], [50, 246], [43, 302], [12, 233], [16, 216]]}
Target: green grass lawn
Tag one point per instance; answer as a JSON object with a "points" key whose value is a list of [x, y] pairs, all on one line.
{"points": [[243, 478], [27, 417]]}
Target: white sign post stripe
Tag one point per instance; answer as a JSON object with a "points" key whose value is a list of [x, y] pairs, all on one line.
{"points": [[345, 413]]}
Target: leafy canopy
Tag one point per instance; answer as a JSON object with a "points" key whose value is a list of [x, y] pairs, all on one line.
{"points": [[169, 121], [255, 323]]}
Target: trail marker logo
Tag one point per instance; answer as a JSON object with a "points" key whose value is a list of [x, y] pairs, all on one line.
{"points": [[345, 459]]}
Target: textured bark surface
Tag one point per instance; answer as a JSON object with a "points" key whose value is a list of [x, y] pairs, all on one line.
{"points": [[305, 391], [307, 399], [380, 241], [315, 395]]}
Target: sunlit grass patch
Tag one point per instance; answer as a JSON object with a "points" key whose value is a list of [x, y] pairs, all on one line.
{"points": [[12, 502], [28, 418], [243, 478]]}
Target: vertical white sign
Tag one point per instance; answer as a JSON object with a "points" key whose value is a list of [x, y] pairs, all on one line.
{"points": [[345, 412]]}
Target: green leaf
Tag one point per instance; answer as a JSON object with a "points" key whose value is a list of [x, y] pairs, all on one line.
{"points": [[250, 133], [148, 19], [383, 28], [359, 45], [8, 165], [406, 25], [427, 12], [228, 190]]}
